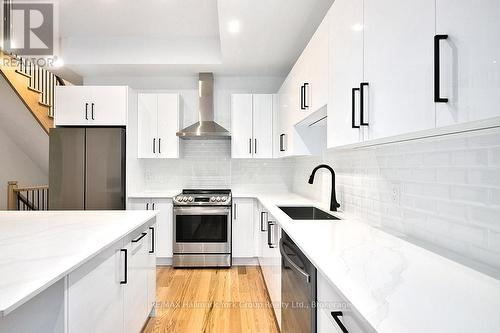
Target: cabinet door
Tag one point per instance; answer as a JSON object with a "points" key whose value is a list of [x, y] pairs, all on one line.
{"points": [[72, 105], [109, 106], [346, 71], [135, 296], [316, 53], [95, 295], [241, 126], [243, 228], [164, 226], [263, 126], [139, 204], [275, 262], [151, 268], [470, 60], [398, 53], [168, 126], [147, 125]]}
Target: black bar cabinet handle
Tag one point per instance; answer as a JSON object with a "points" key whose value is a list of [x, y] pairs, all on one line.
{"points": [[234, 212], [154, 145], [92, 111], [353, 102], [336, 316], [437, 69], [270, 234], [362, 103], [250, 146], [152, 240], [124, 281], [139, 238], [305, 96], [147, 205], [159, 145], [262, 220], [302, 88], [255, 150], [153, 206], [87, 111]]}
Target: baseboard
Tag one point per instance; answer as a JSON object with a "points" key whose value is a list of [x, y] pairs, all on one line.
{"points": [[163, 261], [245, 261], [236, 261]]}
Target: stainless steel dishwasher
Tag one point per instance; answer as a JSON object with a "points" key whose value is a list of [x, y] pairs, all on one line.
{"points": [[298, 289]]}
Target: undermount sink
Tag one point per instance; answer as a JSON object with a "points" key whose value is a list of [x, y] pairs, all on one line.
{"points": [[307, 213]]}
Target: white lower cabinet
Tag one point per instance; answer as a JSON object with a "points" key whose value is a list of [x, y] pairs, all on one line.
{"points": [[243, 228], [164, 222], [335, 313], [111, 292], [270, 258]]}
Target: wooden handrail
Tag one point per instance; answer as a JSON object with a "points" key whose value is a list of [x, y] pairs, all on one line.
{"points": [[30, 188], [14, 196]]}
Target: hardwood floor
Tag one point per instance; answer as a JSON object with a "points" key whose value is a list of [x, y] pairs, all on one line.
{"points": [[211, 300]]}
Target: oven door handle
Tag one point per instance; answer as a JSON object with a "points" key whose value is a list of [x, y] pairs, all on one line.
{"points": [[293, 265], [201, 210]]}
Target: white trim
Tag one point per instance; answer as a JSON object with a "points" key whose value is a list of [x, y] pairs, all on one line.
{"points": [[245, 261], [163, 261], [430, 133]]}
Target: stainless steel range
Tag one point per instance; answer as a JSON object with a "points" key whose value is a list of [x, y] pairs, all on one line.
{"points": [[202, 228]]}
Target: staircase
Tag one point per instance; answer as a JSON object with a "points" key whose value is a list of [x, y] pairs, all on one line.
{"points": [[27, 197], [34, 85]]}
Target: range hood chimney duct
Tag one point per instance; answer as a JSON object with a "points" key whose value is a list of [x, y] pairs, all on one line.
{"points": [[206, 127]]}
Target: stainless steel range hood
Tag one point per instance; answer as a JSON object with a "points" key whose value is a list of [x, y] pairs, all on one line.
{"points": [[206, 127]]}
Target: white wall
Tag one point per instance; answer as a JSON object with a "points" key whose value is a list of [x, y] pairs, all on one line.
{"points": [[447, 192], [16, 165]]}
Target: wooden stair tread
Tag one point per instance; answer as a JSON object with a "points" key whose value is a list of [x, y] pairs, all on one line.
{"points": [[35, 90], [44, 104], [22, 73]]}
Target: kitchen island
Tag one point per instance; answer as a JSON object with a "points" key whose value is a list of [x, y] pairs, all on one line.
{"points": [[77, 271]]}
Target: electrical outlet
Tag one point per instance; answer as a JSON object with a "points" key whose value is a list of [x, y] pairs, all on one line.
{"points": [[396, 193]]}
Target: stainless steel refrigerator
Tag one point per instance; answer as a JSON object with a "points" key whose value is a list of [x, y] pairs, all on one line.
{"points": [[87, 168]]}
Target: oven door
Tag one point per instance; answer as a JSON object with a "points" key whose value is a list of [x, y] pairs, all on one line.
{"points": [[202, 229]]}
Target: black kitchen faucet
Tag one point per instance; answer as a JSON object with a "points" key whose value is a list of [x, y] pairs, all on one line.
{"points": [[333, 199]]}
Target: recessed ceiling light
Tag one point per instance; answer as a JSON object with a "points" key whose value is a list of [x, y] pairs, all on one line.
{"points": [[234, 26]]}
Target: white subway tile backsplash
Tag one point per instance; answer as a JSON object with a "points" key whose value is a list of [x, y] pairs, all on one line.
{"points": [[449, 191]]}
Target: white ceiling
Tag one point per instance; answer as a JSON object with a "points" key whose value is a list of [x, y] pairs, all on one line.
{"points": [[164, 37]]}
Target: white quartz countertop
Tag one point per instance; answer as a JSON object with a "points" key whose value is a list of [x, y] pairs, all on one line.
{"points": [[39, 248], [395, 285]]}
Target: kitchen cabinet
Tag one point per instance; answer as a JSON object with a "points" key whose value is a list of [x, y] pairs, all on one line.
{"points": [[95, 293], [269, 258], [158, 123], [164, 222], [252, 126], [469, 60], [151, 269], [243, 228], [398, 67], [110, 292], [345, 72], [135, 298], [91, 105], [336, 312]]}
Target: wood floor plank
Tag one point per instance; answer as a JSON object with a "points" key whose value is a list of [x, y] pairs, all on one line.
{"points": [[211, 301]]}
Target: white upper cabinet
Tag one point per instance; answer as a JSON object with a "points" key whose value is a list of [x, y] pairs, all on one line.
{"points": [[158, 123], [345, 72], [91, 105], [398, 51], [263, 126], [469, 60], [241, 126], [252, 126]]}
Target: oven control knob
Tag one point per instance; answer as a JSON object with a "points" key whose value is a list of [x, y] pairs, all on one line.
{"points": [[212, 199], [190, 199], [218, 199], [224, 199], [185, 199], [178, 198]]}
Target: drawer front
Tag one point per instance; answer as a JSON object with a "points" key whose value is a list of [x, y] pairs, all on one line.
{"points": [[336, 312]]}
